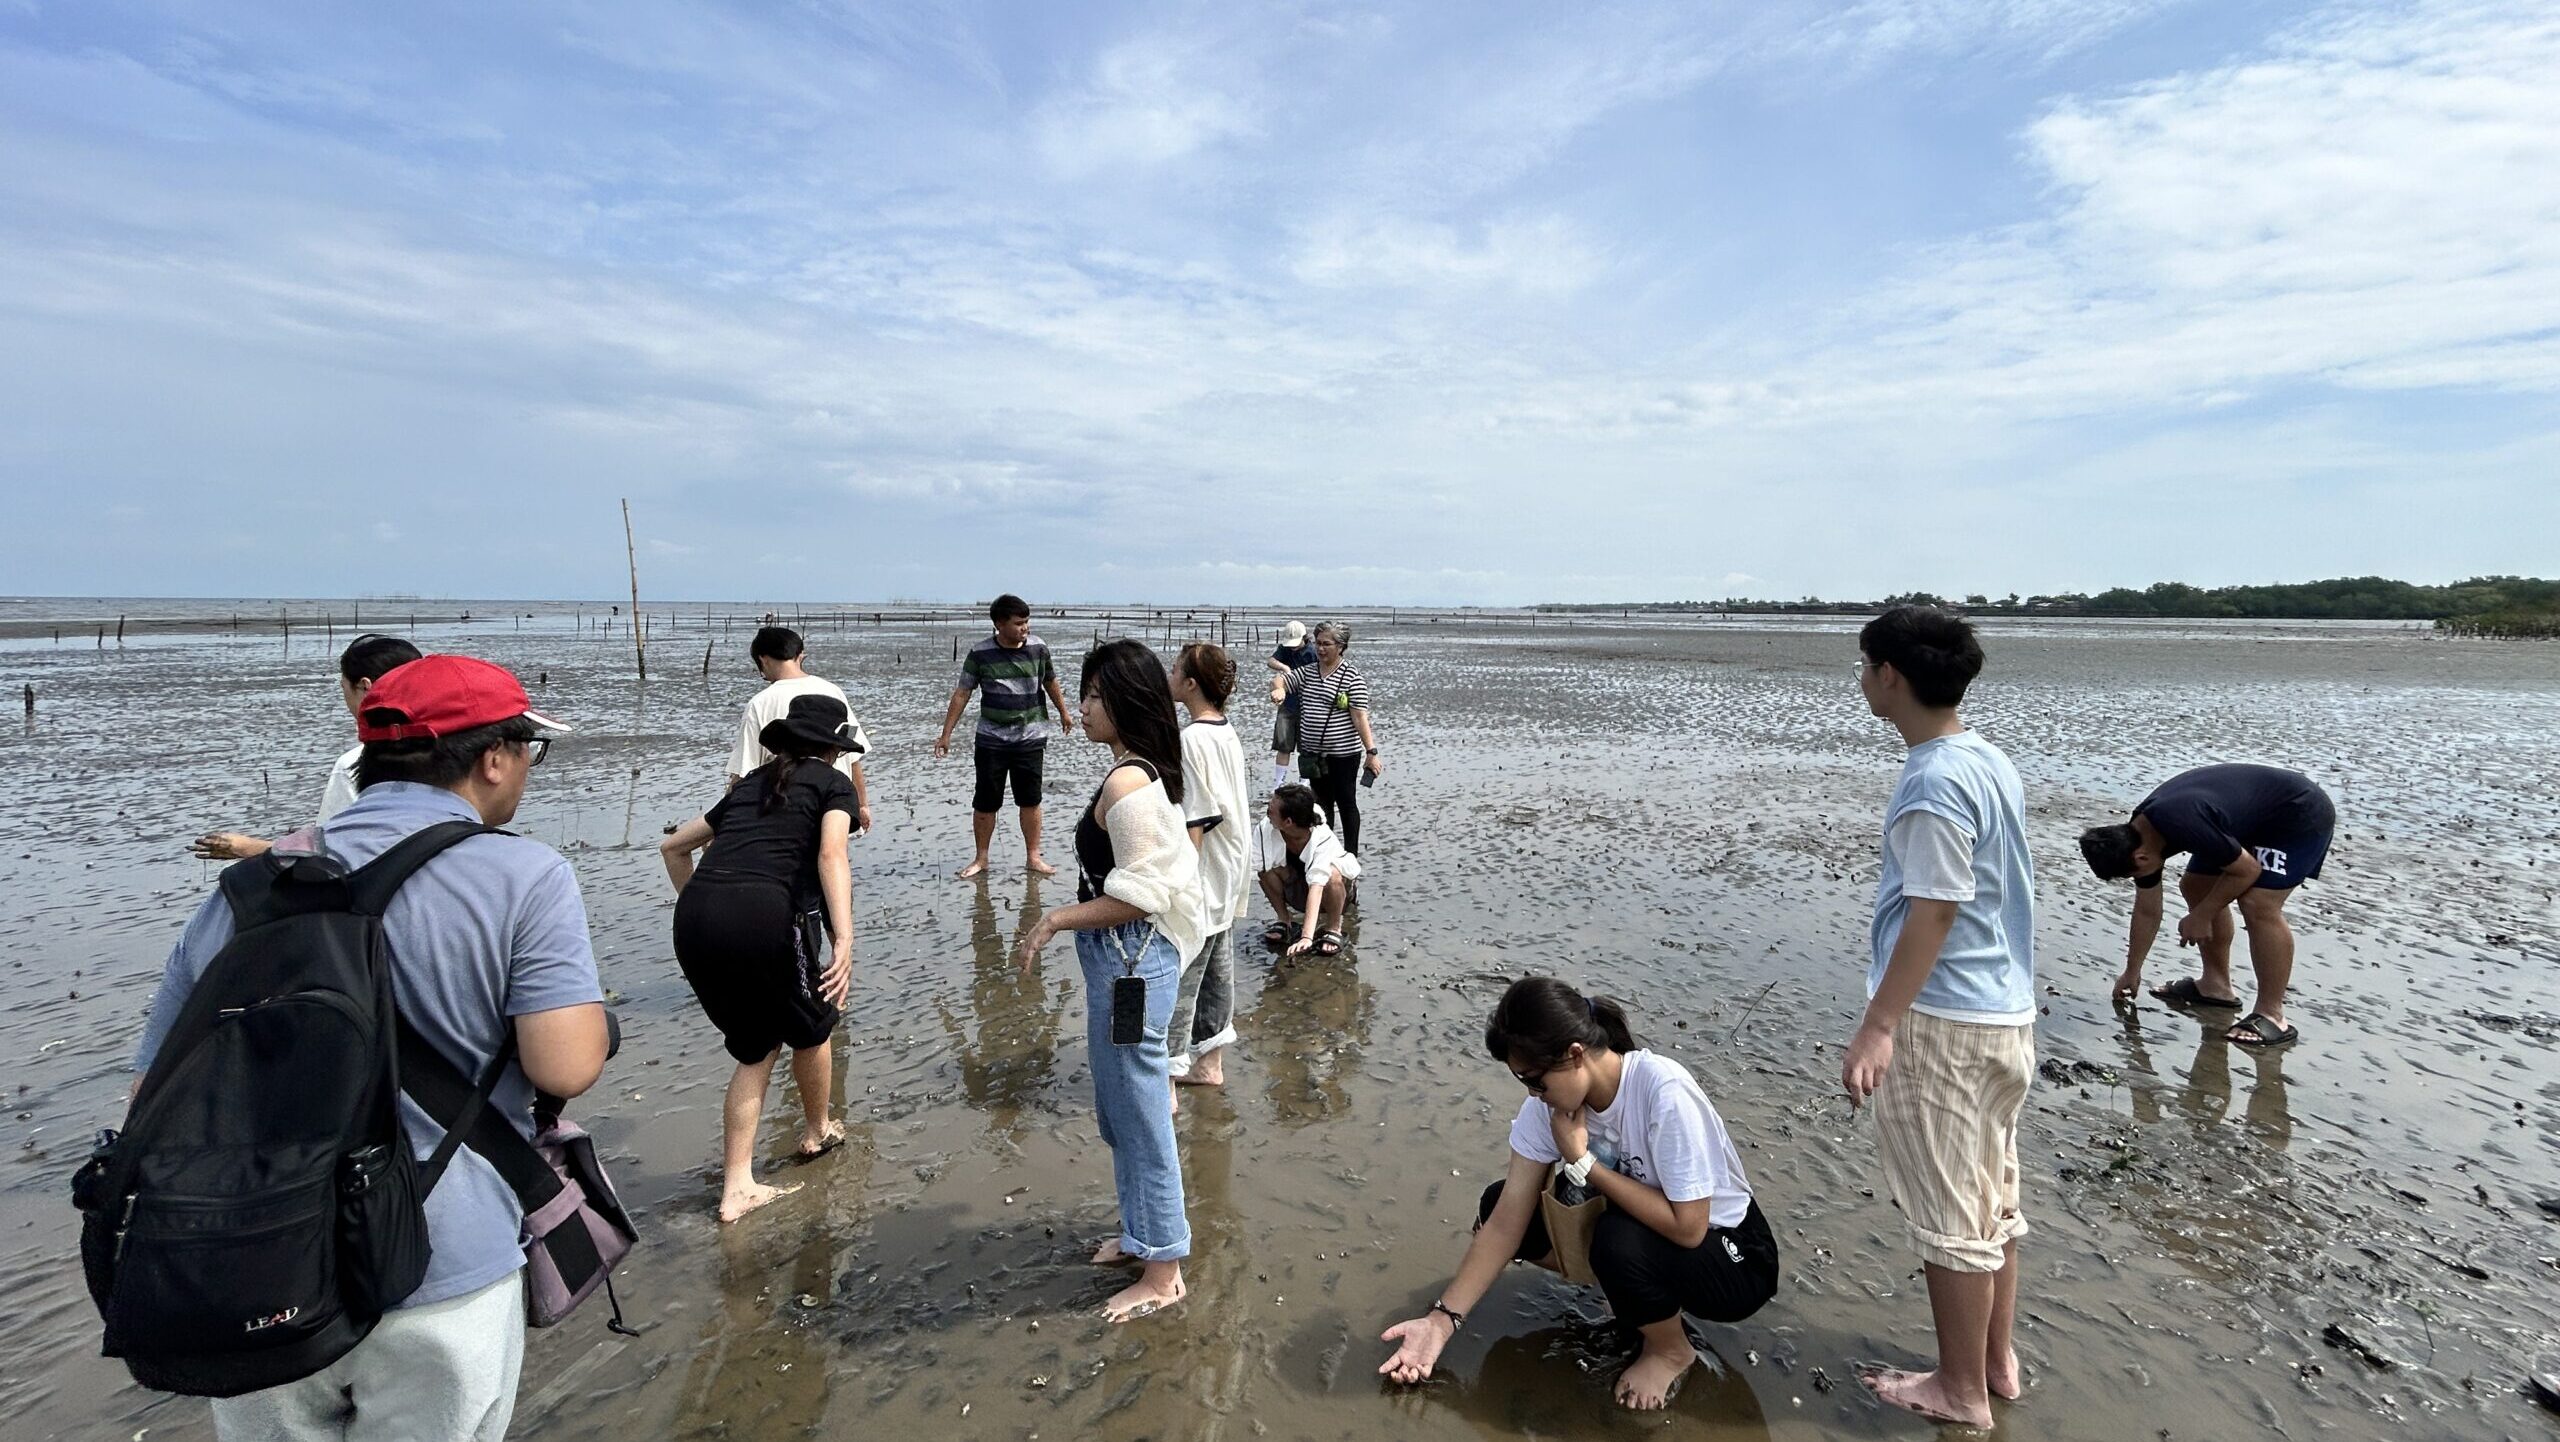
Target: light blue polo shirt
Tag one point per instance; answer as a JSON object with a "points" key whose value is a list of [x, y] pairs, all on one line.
{"points": [[1986, 972], [489, 930]]}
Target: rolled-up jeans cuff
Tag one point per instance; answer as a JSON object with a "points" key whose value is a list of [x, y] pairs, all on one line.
{"points": [[1171, 1252], [1226, 1037]]}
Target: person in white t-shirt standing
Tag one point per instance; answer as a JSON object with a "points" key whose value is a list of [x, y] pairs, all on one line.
{"points": [[1681, 1232], [776, 651], [367, 659], [1213, 803]]}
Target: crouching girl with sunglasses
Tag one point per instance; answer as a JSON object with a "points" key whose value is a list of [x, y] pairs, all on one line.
{"points": [[1680, 1232]]}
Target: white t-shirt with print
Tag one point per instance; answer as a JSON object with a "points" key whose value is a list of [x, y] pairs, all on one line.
{"points": [[772, 704], [1660, 1130]]}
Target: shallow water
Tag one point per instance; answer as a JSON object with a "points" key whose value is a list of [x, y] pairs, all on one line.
{"points": [[1679, 812]]}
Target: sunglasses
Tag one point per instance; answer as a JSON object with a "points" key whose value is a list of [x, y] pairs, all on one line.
{"points": [[1536, 1083]]}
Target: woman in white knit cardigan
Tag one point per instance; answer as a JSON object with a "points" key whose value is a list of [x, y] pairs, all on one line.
{"points": [[1137, 921]]}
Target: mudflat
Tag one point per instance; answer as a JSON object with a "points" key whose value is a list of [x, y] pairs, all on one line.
{"points": [[2338, 1239]]}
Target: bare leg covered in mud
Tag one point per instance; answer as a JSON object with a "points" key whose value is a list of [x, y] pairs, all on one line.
{"points": [[1973, 1327], [740, 1192], [813, 1072], [1159, 1286]]}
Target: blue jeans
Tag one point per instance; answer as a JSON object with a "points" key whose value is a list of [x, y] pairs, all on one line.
{"points": [[1132, 1094]]}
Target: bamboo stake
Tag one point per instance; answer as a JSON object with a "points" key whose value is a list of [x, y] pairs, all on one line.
{"points": [[631, 552]]}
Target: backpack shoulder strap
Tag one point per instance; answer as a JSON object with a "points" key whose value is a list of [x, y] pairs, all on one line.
{"points": [[377, 881], [469, 1119]]}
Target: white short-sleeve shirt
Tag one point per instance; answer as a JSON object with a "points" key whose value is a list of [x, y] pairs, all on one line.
{"points": [[1660, 1130]]}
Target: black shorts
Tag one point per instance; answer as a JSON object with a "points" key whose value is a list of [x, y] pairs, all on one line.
{"points": [[996, 762], [754, 965], [2288, 863]]}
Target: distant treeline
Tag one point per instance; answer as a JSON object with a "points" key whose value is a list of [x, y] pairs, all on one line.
{"points": [[2481, 606]]}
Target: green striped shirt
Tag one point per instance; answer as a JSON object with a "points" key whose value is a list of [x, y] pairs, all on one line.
{"points": [[1008, 682]]}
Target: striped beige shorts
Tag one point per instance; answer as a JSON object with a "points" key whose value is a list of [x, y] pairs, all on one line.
{"points": [[1947, 1132]]}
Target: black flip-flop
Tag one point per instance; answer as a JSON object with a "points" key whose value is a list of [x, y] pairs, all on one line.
{"points": [[1328, 943], [2185, 992], [1276, 934], [2257, 1031]]}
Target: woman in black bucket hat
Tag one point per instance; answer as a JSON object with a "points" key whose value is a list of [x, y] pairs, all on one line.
{"points": [[764, 929]]}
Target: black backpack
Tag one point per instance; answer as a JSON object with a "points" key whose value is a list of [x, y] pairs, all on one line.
{"points": [[262, 1208]]}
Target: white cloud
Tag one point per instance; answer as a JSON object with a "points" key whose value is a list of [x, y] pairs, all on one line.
{"points": [[1538, 255], [1146, 103]]}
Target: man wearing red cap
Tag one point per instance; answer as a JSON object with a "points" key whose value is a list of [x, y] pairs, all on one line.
{"points": [[488, 938]]}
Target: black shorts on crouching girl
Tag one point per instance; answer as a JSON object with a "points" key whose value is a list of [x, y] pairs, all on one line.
{"points": [[754, 965], [1649, 1278]]}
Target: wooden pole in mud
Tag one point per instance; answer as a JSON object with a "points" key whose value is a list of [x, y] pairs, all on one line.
{"points": [[631, 552]]}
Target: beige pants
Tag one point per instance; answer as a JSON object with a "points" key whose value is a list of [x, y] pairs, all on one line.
{"points": [[446, 1370], [1947, 1132]]}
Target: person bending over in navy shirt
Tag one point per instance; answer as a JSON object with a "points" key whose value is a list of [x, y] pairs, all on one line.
{"points": [[2251, 834]]}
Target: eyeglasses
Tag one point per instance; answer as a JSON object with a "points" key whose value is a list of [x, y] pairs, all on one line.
{"points": [[536, 749]]}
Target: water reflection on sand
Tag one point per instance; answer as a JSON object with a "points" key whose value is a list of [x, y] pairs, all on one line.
{"points": [[1679, 815]]}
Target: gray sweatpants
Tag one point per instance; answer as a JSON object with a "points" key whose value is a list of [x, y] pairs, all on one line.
{"points": [[444, 1370]]}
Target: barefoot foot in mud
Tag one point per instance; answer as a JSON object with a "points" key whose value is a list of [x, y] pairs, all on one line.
{"points": [[973, 870], [1110, 1255], [1927, 1394], [2007, 1382], [819, 1143], [1039, 865], [1653, 1379], [1160, 1288], [736, 1202]]}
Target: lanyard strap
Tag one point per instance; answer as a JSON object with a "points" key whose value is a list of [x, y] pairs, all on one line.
{"points": [[1128, 962]]}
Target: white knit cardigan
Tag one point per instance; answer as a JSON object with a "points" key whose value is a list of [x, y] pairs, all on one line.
{"points": [[1155, 868]]}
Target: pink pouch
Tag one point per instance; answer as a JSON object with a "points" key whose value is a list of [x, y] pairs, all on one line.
{"points": [[573, 1241]]}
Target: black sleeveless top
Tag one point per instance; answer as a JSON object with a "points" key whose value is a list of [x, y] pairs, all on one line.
{"points": [[1093, 843]]}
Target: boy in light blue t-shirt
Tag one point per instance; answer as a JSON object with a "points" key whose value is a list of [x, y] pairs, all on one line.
{"points": [[1947, 1045]]}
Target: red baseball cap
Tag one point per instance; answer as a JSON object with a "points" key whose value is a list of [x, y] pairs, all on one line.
{"points": [[440, 695]]}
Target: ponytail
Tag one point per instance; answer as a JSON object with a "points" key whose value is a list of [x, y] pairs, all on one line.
{"points": [[1540, 1019]]}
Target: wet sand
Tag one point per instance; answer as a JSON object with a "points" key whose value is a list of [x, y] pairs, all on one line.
{"points": [[1677, 812]]}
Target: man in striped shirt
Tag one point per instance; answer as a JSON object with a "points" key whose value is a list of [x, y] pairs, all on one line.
{"points": [[1010, 671]]}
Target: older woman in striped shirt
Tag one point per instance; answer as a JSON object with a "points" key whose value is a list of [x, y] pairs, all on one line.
{"points": [[1335, 744]]}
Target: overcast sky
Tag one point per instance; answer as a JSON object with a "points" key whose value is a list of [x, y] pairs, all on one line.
{"points": [[1420, 303]]}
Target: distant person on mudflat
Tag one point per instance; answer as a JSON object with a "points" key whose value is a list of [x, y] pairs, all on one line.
{"points": [[1304, 868], [1285, 659], [367, 659], [781, 659], [2251, 834], [1947, 1045], [764, 930], [1335, 743], [1680, 1232], [1214, 791], [1012, 674], [1137, 922]]}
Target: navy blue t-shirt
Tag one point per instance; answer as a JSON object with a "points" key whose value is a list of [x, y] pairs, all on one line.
{"points": [[2213, 813], [1294, 657]]}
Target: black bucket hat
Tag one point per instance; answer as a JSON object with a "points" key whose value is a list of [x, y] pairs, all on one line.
{"points": [[814, 723]]}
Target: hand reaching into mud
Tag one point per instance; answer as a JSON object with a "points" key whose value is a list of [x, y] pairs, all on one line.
{"points": [[2128, 986], [1418, 1345]]}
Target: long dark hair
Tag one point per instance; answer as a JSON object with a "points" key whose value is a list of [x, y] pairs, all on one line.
{"points": [[787, 758], [1540, 1018], [1132, 684]]}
